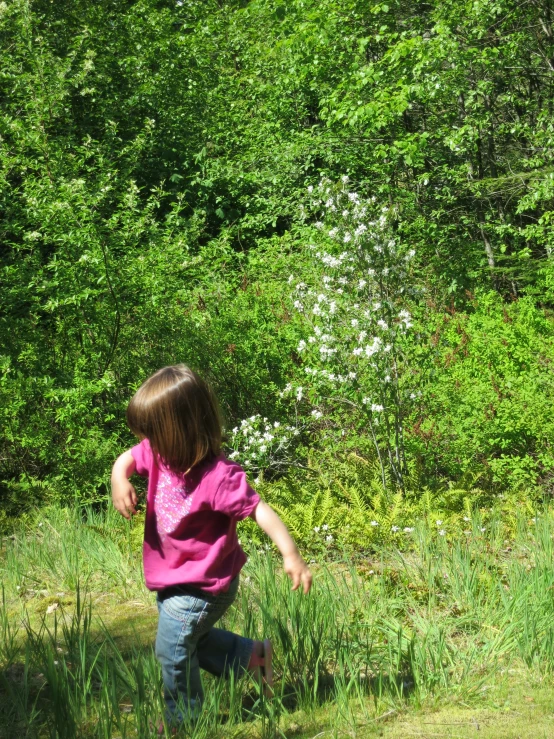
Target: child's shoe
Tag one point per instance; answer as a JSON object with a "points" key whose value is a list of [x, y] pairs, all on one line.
{"points": [[267, 669], [261, 667]]}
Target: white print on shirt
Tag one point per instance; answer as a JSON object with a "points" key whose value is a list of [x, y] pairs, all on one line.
{"points": [[172, 503]]}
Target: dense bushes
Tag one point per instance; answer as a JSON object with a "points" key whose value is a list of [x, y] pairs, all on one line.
{"points": [[154, 162]]}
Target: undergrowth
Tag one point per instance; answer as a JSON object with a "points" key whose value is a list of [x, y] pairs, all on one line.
{"points": [[435, 620]]}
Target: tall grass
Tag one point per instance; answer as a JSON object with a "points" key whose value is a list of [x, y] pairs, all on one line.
{"points": [[441, 619]]}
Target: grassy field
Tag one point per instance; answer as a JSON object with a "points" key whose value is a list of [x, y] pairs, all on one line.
{"points": [[445, 639]]}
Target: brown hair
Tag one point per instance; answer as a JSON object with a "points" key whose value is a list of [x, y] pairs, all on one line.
{"points": [[178, 413]]}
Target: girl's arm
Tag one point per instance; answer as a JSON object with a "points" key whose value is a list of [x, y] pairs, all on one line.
{"points": [[124, 497], [293, 564]]}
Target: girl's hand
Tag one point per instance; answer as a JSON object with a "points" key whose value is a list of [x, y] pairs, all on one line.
{"points": [[298, 571], [124, 498]]}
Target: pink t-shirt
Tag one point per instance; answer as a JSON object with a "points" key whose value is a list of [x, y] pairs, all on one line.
{"points": [[190, 534]]}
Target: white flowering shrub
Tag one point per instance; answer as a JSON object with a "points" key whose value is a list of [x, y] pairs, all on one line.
{"points": [[357, 319], [260, 445]]}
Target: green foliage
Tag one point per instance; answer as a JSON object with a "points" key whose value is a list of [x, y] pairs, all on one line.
{"points": [[486, 412], [153, 160]]}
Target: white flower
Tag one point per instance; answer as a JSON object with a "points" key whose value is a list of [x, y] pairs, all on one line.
{"points": [[374, 348], [347, 237], [483, 529], [357, 351], [408, 529], [360, 230], [316, 310], [361, 284], [319, 225], [376, 408], [395, 528], [344, 178], [387, 378], [351, 375], [316, 529], [325, 527], [374, 523], [233, 455], [439, 523], [310, 188], [317, 414], [301, 345], [333, 232], [354, 322], [276, 425], [291, 278], [299, 393], [442, 532], [382, 324], [467, 518], [366, 401], [329, 538], [298, 305]]}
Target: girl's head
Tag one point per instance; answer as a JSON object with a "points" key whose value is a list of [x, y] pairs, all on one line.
{"points": [[178, 414]]}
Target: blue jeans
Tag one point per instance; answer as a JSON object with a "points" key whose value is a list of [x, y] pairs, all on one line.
{"points": [[187, 642]]}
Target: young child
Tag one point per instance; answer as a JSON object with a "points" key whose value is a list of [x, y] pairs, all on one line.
{"points": [[191, 553]]}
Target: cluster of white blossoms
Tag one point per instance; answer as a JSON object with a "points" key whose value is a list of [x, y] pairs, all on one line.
{"points": [[259, 444], [356, 314]]}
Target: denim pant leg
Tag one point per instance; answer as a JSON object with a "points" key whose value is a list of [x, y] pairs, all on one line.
{"points": [[178, 656], [186, 641], [222, 652]]}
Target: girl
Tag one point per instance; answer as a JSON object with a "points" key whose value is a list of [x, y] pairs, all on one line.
{"points": [[191, 553]]}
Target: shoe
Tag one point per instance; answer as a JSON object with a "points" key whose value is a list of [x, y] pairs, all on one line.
{"points": [[160, 729], [267, 669]]}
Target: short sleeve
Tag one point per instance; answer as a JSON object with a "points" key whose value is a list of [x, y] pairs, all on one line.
{"points": [[142, 454], [234, 496]]}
